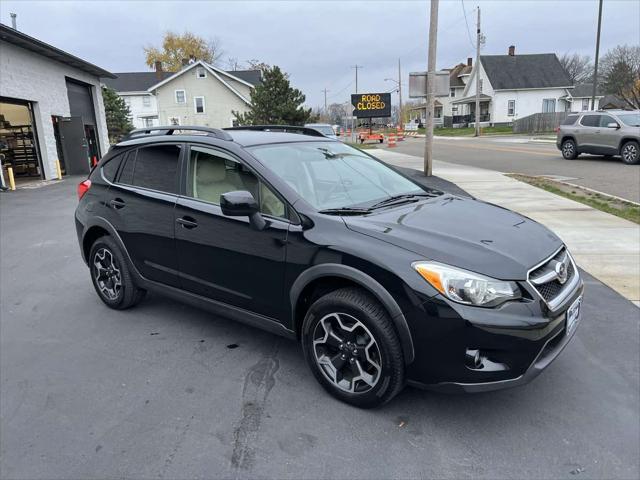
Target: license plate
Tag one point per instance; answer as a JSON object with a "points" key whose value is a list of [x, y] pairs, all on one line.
{"points": [[573, 315]]}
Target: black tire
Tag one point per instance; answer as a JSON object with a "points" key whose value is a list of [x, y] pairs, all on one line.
{"points": [[384, 352], [127, 294], [630, 152], [569, 149]]}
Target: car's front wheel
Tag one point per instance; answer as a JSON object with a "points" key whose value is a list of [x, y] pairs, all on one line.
{"points": [[569, 149], [352, 348], [630, 153], [111, 277]]}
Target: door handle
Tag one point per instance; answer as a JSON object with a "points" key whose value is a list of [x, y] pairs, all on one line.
{"points": [[187, 222], [117, 203]]}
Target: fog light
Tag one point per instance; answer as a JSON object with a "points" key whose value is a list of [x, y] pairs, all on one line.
{"points": [[473, 358]]}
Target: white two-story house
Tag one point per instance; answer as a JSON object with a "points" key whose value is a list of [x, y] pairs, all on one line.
{"points": [[515, 86], [204, 95]]}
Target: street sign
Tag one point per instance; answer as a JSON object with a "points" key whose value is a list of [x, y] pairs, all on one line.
{"points": [[418, 84], [371, 105]]}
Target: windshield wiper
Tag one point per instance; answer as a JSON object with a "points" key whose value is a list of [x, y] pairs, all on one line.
{"points": [[345, 211], [407, 197]]}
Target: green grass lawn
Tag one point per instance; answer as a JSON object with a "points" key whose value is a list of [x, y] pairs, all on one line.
{"points": [[363, 146], [470, 131], [620, 208]]}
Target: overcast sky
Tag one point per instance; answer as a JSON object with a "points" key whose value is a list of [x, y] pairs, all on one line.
{"points": [[318, 42]]}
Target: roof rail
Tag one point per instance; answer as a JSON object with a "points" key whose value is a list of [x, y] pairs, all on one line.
{"points": [[170, 130], [280, 128]]}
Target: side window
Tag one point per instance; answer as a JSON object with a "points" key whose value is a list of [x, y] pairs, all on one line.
{"points": [[126, 172], [590, 121], [156, 167], [110, 169], [606, 120], [213, 173]]}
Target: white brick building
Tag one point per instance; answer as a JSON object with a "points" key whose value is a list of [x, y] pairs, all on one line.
{"points": [[44, 92]]}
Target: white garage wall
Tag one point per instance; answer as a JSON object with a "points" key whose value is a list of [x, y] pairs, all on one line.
{"points": [[28, 76]]}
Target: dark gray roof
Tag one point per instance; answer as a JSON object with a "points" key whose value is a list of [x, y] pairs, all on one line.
{"points": [[23, 40], [455, 72], [141, 81], [135, 81], [585, 90], [254, 77], [507, 72]]}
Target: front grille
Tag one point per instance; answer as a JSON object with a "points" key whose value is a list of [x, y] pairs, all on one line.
{"points": [[545, 278]]}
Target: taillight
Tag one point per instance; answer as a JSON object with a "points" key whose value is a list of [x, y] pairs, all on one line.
{"points": [[83, 187]]}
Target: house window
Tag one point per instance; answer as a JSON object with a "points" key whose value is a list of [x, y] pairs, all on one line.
{"points": [[585, 104], [181, 96], [481, 85], [511, 108], [148, 122], [452, 92], [146, 101], [174, 120], [548, 105], [201, 72], [198, 104]]}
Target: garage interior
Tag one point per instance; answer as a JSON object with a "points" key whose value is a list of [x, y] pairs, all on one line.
{"points": [[18, 140]]}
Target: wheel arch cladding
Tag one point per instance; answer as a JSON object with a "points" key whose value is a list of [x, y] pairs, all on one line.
{"points": [[345, 275]]}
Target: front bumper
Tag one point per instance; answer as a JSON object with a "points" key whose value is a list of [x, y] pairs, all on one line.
{"points": [[517, 342]]}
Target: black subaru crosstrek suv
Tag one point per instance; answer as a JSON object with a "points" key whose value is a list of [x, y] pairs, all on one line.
{"points": [[383, 281]]}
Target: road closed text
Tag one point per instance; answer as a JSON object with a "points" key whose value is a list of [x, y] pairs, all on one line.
{"points": [[371, 105]]}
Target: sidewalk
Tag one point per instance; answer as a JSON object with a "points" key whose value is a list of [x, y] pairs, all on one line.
{"points": [[606, 246]]}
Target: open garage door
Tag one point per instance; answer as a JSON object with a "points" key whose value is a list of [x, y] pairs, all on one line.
{"points": [[18, 139]]}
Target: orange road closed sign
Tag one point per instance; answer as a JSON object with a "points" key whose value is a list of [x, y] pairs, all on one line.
{"points": [[370, 105]]}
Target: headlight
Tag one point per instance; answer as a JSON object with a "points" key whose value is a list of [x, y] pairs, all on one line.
{"points": [[466, 287]]}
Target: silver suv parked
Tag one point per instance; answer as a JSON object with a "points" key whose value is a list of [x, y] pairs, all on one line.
{"points": [[610, 132]]}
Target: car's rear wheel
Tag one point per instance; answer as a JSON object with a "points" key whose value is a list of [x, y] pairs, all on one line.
{"points": [[569, 149], [352, 348], [630, 153], [111, 276]]}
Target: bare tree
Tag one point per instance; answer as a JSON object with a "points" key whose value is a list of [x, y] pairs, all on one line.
{"points": [[578, 67], [234, 64], [620, 69]]}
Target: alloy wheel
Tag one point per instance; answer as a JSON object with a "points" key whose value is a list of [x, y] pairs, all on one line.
{"points": [[567, 149], [347, 353], [630, 153], [107, 275]]}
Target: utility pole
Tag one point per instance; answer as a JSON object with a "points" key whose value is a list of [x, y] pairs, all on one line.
{"points": [[477, 134], [431, 80], [325, 100], [356, 67], [399, 94], [595, 69]]}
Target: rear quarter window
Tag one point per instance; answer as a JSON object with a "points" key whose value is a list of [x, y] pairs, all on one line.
{"points": [[110, 168], [570, 120]]}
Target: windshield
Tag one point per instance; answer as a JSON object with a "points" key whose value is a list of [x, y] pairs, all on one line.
{"points": [[332, 175], [630, 119], [325, 130]]}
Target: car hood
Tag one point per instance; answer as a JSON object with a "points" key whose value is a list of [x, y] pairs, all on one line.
{"points": [[462, 232]]}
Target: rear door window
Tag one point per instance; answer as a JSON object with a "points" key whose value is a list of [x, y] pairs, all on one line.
{"points": [[590, 121], [156, 168]]}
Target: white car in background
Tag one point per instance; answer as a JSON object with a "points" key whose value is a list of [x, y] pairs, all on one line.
{"points": [[324, 128]]}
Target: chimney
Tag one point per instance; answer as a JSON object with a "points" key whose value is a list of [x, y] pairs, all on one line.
{"points": [[469, 62], [158, 66], [14, 22], [185, 62], [512, 51]]}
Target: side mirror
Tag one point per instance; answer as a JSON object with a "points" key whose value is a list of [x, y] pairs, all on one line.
{"points": [[613, 125], [242, 204]]}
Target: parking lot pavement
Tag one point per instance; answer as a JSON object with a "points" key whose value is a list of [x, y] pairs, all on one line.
{"points": [[159, 391], [512, 154]]}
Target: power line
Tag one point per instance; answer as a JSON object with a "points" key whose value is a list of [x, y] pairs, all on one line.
{"points": [[467, 22]]}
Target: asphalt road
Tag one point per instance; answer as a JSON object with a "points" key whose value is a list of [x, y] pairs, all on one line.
{"points": [[516, 155], [159, 391]]}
